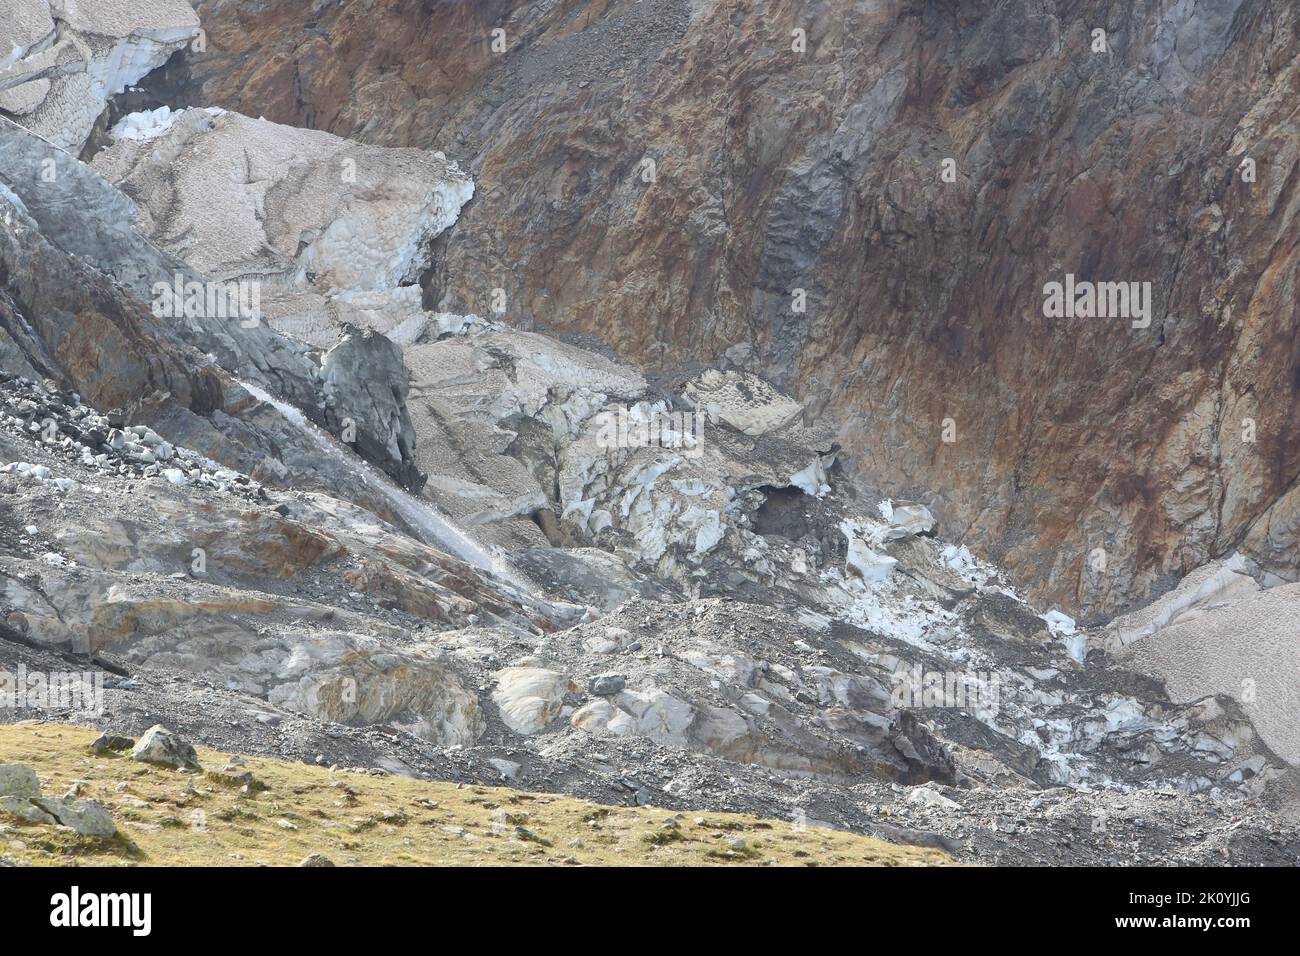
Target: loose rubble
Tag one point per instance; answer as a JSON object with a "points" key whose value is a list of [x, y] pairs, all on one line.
{"points": [[103, 444]]}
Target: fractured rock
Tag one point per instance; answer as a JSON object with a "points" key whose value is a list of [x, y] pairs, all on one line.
{"points": [[25, 809], [86, 817], [20, 795]]}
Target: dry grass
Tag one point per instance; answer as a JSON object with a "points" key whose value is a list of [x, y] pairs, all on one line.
{"points": [[171, 818]]}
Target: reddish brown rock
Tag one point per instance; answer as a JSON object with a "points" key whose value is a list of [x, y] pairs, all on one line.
{"points": [[776, 170]]}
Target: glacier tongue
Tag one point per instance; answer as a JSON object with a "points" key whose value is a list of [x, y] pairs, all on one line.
{"points": [[306, 209]]}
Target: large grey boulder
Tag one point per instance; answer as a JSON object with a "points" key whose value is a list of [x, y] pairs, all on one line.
{"points": [[17, 780], [25, 809], [85, 817], [160, 746], [20, 795]]}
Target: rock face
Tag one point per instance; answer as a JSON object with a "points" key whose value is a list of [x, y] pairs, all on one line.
{"points": [[363, 375], [82, 214], [801, 205], [323, 233], [675, 585]]}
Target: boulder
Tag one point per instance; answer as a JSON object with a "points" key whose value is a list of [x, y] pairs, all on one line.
{"points": [[364, 380], [110, 743], [160, 746], [927, 796], [85, 817], [18, 780], [20, 795], [25, 809], [604, 685]]}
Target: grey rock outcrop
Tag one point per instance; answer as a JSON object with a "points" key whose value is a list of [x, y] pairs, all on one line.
{"points": [[364, 385], [20, 795]]}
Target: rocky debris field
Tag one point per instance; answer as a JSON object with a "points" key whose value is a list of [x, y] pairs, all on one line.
{"points": [[366, 533], [103, 444], [780, 705]]}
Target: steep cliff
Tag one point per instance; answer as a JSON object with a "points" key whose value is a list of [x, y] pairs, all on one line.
{"points": [[669, 174]]}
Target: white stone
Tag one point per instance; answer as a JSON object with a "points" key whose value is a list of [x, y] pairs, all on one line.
{"points": [[867, 564]]}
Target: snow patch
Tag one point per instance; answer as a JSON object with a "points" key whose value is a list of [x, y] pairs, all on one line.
{"points": [[146, 125], [811, 480]]}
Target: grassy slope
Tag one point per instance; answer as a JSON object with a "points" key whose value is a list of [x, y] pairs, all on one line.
{"points": [[170, 818]]}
